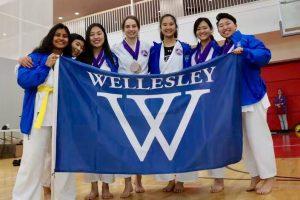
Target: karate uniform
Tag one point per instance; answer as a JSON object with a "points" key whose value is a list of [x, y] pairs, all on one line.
{"points": [[37, 141], [178, 60], [214, 51], [106, 65], [258, 150], [126, 59]]}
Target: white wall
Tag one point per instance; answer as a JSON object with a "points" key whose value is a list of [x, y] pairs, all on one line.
{"points": [[25, 23], [252, 18], [10, 94]]}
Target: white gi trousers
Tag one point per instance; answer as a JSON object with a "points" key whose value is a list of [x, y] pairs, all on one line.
{"points": [[30, 177], [106, 178], [46, 178], [182, 177], [258, 147], [124, 175], [216, 173], [258, 150]]}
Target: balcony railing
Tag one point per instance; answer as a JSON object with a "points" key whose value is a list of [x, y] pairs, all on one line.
{"points": [[198, 6], [148, 12]]}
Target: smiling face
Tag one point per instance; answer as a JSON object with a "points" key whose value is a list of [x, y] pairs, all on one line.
{"points": [[131, 29], [203, 32], [96, 37], [60, 39], [168, 27], [226, 27], [77, 47]]}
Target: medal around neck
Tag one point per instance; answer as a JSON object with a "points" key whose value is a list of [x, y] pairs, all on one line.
{"points": [[135, 67]]}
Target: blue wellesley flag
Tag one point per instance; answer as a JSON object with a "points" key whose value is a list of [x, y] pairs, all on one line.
{"points": [[148, 124]]}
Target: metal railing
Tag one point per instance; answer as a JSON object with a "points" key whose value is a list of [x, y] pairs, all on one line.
{"points": [[198, 6], [147, 11], [110, 19]]}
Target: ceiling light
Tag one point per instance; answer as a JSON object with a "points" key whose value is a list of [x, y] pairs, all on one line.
{"points": [[77, 13], [60, 18], [4, 34]]}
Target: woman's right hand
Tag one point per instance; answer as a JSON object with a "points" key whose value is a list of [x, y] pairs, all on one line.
{"points": [[26, 62], [51, 60]]}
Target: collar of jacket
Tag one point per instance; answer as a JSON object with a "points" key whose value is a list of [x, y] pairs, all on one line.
{"points": [[236, 36]]}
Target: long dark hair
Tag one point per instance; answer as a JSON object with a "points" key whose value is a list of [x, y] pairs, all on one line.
{"points": [[88, 54], [160, 23], [75, 36], [46, 45], [198, 21]]}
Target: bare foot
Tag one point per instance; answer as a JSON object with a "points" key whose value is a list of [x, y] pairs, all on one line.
{"points": [[178, 187], [47, 193], [105, 191], [91, 196], [94, 194], [128, 188], [254, 181], [218, 185], [138, 184], [266, 187], [170, 187]]}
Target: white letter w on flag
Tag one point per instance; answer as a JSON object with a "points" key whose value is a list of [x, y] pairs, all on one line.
{"points": [[154, 123]]}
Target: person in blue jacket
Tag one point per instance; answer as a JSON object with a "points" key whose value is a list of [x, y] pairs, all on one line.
{"points": [[171, 55], [258, 145], [98, 54], [37, 121], [77, 43]]}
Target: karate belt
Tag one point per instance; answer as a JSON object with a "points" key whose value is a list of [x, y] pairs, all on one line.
{"points": [[41, 113]]}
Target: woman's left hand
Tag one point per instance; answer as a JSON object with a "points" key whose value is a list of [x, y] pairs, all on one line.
{"points": [[238, 50]]}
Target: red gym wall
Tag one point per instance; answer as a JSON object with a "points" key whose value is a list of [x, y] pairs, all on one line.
{"points": [[284, 75]]}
